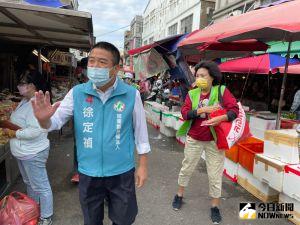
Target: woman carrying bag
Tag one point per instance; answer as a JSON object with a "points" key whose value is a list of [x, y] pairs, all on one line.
{"points": [[200, 134], [30, 146]]}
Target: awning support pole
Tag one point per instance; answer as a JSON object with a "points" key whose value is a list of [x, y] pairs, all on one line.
{"points": [[283, 85], [40, 60]]}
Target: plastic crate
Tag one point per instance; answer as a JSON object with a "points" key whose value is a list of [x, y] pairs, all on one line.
{"points": [[288, 124], [247, 152], [233, 152]]}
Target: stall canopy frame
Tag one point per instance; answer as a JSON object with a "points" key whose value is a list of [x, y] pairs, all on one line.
{"points": [[45, 26]]}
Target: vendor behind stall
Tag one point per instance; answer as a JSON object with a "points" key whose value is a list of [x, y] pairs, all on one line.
{"points": [[296, 105]]}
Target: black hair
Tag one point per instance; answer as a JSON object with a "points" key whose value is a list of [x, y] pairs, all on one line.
{"points": [[35, 78], [111, 48], [213, 70]]}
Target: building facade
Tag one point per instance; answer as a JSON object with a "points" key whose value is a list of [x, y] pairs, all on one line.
{"points": [[227, 8], [127, 43], [170, 17], [136, 30], [133, 37]]}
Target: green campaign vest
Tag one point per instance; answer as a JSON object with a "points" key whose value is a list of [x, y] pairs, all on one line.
{"points": [[195, 97]]}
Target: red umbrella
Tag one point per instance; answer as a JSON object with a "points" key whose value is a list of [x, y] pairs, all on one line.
{"points": [[261, 64], [213, 50], [268, 24], [280, 22], [141, 49], [164, 41]]}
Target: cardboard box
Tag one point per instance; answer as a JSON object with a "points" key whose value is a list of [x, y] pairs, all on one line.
{"points": [[282, 145], [269, 171], [257, 188], [296, 213]]}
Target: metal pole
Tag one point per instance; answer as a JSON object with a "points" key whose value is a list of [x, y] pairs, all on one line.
{"points": [[40, 60], [269, 91], [283, 86]]}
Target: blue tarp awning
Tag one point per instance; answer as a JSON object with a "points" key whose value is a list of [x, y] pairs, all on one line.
{"points": [[47, 3]]}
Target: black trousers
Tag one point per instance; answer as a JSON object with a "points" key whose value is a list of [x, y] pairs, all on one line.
{"points": [[118, 190]]}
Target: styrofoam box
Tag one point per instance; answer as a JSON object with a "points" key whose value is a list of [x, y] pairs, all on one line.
{"points": [[269, 171], [262, 124], [282, 145], [296, 213], [231, 169], [148, 115], [291, 181], [167, 119], [178, 124], [258, 133], [175, 108], [177, 121], [169, 132], [155, 117], [262, 187]]}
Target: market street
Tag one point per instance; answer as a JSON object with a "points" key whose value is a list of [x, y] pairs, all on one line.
{"points": [[155, 198]]}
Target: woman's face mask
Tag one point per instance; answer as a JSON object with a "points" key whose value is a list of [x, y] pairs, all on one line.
{"points": [[202, 83], [99, 76], [203, 80]]}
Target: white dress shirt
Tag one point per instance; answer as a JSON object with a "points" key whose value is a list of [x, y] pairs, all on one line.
{"points": [[66, 109]]}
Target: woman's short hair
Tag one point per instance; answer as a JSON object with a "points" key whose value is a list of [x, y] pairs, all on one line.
{"points": [[35, 78], [213, 70]]}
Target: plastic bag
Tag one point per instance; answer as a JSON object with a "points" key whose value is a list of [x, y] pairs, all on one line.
{"points": [[18, 209], [229, 133]]}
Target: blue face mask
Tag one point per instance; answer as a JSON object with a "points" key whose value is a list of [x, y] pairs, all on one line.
{"points": [[99, 76]]}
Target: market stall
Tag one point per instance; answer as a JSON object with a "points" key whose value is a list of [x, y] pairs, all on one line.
{"points": [[27, 31], [260, 78], [269, 168], [62, 78]]}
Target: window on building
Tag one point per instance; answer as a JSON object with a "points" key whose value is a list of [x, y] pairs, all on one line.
{"points": [[145, 42], [173, 29], [152, 17], [151, 40], [138, 42], [172, 4], [186, 25], [264, 2], [146, 23], [248, 7], [139, 29], [132, 30], [210, 16]]}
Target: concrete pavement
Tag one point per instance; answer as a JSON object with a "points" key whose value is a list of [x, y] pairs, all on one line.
{"points": [[156, 197]]}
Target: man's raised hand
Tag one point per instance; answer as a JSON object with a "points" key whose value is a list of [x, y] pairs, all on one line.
{"points": [[42, 108]]}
